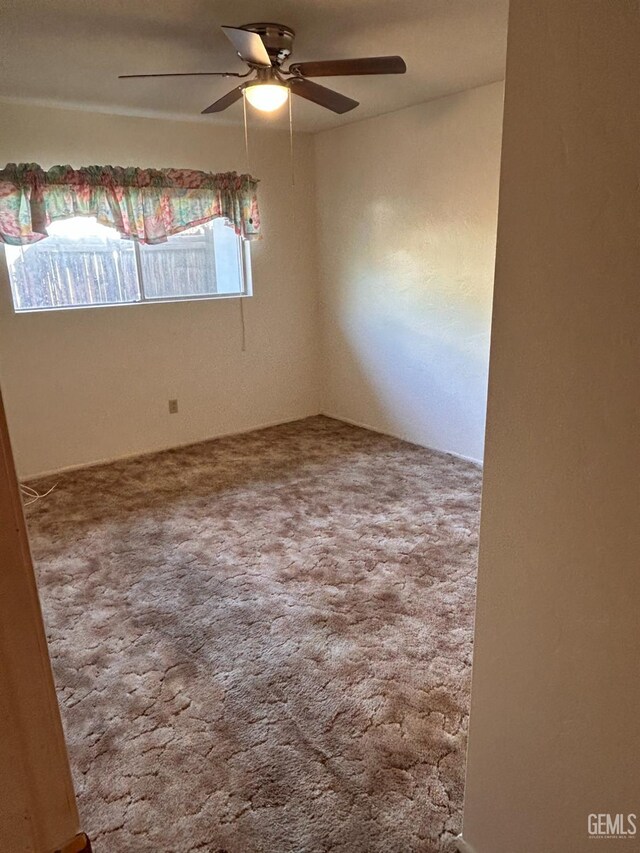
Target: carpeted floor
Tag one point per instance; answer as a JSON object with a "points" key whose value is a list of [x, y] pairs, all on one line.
{"points": [[263, 643]]}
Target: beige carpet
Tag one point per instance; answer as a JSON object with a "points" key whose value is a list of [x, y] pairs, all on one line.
{"points": [[263, 643]]}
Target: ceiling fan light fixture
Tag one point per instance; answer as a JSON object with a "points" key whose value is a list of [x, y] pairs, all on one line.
{"points": [[266, 97]]}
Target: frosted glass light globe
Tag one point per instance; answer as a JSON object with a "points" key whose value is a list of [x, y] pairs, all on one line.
{"points": [[266, 96]]}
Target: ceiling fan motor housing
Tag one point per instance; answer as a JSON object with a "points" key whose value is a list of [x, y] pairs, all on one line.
{"points": [[277, 38]]}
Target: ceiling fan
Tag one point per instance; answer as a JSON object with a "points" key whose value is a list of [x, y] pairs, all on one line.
{"points": [[265, 47]]}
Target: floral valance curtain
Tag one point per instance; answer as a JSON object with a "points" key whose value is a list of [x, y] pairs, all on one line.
{"points": [[142, 204]]}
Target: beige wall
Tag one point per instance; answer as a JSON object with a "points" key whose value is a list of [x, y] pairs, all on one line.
{"points": [[407, 210], [406, 291], [555, 722], [90, 384]]}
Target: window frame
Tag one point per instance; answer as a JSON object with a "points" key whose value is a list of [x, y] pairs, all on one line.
{"points": [[244, 258]]}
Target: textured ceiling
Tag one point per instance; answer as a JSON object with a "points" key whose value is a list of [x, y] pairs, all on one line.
{"points": [[69, 52]]}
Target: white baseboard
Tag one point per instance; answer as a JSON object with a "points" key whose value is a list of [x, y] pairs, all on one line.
{"points": [[402, 438], [107, 460], [463, 846]]}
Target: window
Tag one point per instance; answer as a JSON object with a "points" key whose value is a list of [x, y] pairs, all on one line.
{"points": [[83, 263]]}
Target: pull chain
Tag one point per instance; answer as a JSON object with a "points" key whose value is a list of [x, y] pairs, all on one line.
{"points": [[293, 177], [246, 130], [246, 151]]}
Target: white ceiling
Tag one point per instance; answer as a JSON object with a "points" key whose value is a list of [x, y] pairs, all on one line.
{"points": [[69, 52]]}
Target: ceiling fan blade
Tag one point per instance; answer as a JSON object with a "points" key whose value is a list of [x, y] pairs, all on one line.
{"points": [[249, 46], [225, 101], [348, 67], [185, 74], [321, 95]]}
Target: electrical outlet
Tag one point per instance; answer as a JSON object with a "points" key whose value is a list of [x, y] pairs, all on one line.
{"points": [[173, 407]]}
